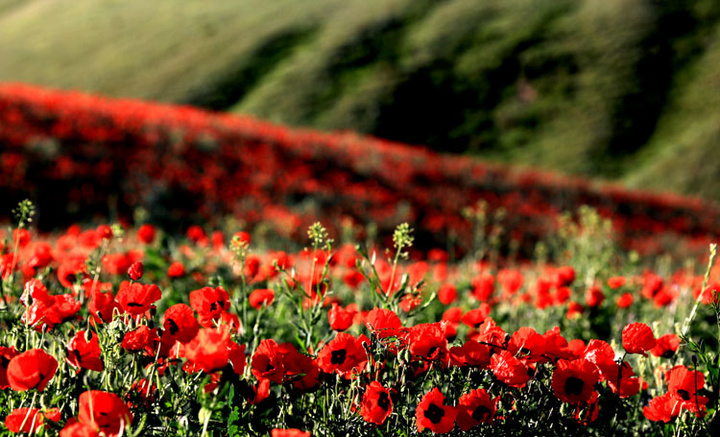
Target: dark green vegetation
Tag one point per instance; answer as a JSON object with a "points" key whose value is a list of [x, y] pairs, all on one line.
{"points": [[624, 90]]}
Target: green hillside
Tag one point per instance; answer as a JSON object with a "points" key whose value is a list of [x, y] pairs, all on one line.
{"points": [[625, 90]]}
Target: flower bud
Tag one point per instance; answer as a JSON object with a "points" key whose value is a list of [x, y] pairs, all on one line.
{"points": [[136, 271]]}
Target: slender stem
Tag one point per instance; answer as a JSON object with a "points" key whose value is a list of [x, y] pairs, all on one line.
{"points": [[691, 317]]}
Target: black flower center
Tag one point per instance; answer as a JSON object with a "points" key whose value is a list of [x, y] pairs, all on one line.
{"points": [[134, 304], [213, 306], [684, 395], [574, 385], [480, 413], [383, 401], [173, 327], [434, 414], [338, 356]]}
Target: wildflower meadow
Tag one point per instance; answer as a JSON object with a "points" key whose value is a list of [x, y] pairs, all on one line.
{"points": [[234, 278]]}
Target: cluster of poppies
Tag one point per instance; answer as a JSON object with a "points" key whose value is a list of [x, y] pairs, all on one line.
{"points": [[131, 341], [202, 165]]}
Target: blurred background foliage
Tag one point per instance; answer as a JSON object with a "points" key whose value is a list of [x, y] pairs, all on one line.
{"points": [[622, 90]]}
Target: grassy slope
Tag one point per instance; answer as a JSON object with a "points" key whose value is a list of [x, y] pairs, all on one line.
{"points": [[618, 89]]}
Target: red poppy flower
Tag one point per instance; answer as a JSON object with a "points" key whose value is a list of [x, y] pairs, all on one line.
{"points": [[180, 324], [662, 408], [176, 270], [383, 323], [84, 351], [242, 237], [428, 342], [652, 284], [6, 354], [491, 333], [453, 315], [576, 348], [509, 369], [341, 318], [637, 338], [564, 276], [447, 293], [252, 266], [594, 296], [22, 237], [664, 297], [561, 295], [556, 346], [104, 232], [475, 318], [27, 420], [268, 362], [625, 300], [35, 290], [527, 344], [136, 298], [209, 303], [103, 306], [621, 379], [70, 269], [300, 369], [136, 270], [41, 256], [142, 338], [342, 354], [574, 381], [432, 413], [471, 354], [104, 411], [236, 356], [353, 278], [666, 346], [218, 240], [210, 349], [376, 404], [684, 384], [31, 369], [196, 234], [574, 309], [44, 317], [616, 282], [474, 408], [483, 287], [146, 233], [510, 280], [261, 296], [291, 432]]}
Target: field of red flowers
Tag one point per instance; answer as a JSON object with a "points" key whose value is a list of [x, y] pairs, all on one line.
{"points": [[111, 331], [439, 295], [77, 155]]}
